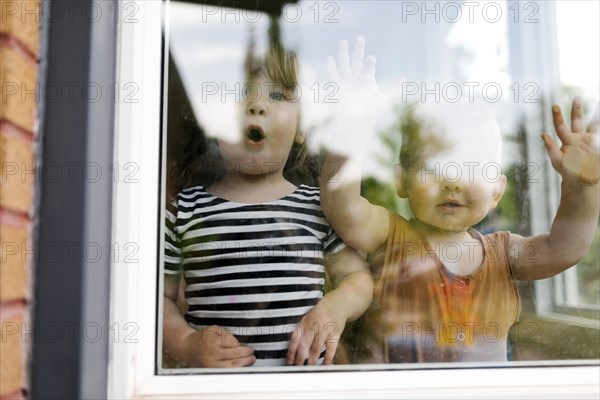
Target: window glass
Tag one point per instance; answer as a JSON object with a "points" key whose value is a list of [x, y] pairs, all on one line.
{"points": [[514, 58]]}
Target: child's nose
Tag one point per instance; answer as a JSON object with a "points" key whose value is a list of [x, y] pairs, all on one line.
{"points": [[256, 108], [452, 185]]}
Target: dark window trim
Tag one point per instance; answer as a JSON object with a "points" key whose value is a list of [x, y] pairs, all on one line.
{"points": [[71, 291]]}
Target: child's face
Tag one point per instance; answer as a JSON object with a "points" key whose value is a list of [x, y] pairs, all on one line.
{"points": [[453, 189], [269, 124]]}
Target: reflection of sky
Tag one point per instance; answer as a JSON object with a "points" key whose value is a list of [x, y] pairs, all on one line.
{"points": [[578, 26], [453, 51], [209, 47]]}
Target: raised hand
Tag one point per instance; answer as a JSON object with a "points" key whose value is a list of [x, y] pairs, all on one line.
{"points": [[578, 159], [359, 103], [215, 347], [356, 76]]}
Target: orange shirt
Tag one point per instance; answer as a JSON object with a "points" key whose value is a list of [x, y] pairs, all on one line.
{"points": [[425, 313]]}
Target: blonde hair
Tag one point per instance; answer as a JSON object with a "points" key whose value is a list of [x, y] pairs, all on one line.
{"points": [[278, 64]]}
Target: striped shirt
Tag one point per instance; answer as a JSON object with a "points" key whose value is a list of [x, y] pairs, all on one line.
{"points": [[253, 269]]}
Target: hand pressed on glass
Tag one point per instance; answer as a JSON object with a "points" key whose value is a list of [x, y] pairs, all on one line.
{"points": [[578, 159], [360, 104]]}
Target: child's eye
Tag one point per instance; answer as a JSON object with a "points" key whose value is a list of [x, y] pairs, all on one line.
{"points": [[277, 96], [246, 93]]}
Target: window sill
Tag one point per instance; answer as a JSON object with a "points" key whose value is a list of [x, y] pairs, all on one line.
{"points": [[552, 336]]}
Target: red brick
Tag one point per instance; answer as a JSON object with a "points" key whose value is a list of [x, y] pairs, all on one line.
{"points": [[11, 356], [18, 75], [17, 178], [20, 20], [13, 268]]}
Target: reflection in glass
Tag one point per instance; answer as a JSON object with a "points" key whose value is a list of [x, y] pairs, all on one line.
{"points": [[516, 57]]}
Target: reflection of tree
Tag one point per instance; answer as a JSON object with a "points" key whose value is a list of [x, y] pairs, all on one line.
{"points": [[588, 274], [379, 193], [374, 190]]}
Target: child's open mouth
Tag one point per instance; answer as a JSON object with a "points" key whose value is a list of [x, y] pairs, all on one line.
{"points": [[255, 134]]}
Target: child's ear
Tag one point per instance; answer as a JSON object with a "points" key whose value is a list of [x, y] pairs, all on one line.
{"points": [[499, 189], [299, 138], [400, 181]]}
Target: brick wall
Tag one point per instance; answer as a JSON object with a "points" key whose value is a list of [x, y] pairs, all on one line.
{"points": [[19, 49]]}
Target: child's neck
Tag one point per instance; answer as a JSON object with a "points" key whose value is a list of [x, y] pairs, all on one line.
{"points": [[243, 188], [461, 253]]}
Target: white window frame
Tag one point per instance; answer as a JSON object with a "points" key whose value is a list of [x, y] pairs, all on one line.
{"points": [[132, 365]]}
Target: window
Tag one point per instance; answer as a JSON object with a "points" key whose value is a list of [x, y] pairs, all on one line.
{"points": [[506, 56], [577, 289]]}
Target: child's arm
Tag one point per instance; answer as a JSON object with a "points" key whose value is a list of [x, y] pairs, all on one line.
{"points": [[209, 347], [324, 324], [362, 225], [359, 223], [578, 162]]}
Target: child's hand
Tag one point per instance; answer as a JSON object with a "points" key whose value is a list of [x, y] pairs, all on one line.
{"points": [[578, 159], [215, 347], [321, 326], [356, 78], [358, 101]]}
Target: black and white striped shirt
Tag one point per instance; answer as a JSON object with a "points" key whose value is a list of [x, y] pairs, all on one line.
{"points": [[253, 269]]}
